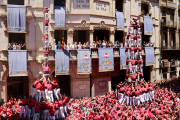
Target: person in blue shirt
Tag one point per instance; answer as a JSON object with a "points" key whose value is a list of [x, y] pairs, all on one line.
{"points": [[59, 45]]}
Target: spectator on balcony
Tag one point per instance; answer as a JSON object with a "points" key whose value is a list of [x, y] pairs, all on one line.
{"points": [[21, 42], [110, 44], [91, 45], [12, 43], [79, 45], [87, 46], [19, 46], [107, 44], [94, 44], [144, 44], [84, 45], [23, 46], [15, 46], [72, 46], [68, 46], [9, 46], [104, 44], [99, 44], [50, 46], [55, 46], [76, 45], [59, 45]]}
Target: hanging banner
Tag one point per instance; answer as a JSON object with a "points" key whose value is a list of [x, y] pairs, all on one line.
{"points": [[17, 63], [84, 61], [62, 62], [123, 58], [120, 20], [148, 25], [106, 59], [149, 55]]}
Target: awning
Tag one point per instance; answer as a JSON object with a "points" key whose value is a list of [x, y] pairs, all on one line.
{"points": [[62, 62], [60, 16], [16, 17], [84, 61], [120, 20], [149, 55], [17, 62], [148, 25]]}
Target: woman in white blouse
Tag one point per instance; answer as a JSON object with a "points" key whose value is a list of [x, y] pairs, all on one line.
{"points": [[15, 46], [79, 45]]}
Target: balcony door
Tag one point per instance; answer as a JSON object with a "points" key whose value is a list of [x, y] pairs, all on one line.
{"points": [[171, 19], [16, 2]]}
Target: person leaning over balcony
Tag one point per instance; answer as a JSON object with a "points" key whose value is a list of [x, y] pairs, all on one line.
{"points": [[94, 44], [23, 46], [104, 44], [79, 45], [54, 46], [9, 46], [59, 45], [72, 46], [76, 45], [19, 46], [46, 52]]}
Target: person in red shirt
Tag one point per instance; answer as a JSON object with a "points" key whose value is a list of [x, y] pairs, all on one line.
{"points": [[46, 53], [66, 100], [36, 109], [25, 102], [56, 107], [46, 22], [30, 105], [39, 87], [33, 87], [132, 39], [61, 108], [58, 94], [52, 112], [46, 70]]}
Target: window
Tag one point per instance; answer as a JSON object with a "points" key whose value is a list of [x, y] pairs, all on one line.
{"points": [[119, 5], [164, 39], [16, 2], [144, 9], [172, 39], [171, 18], [59, 3]]}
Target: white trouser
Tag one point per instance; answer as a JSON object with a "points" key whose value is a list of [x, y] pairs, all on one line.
{"points": [[29, 113], [137, 99], [135, 31], [135, 55], [22, 109], [46, 43], [135, 42], [46, 59], [152, 94], [142, 79], [43, 94], [54, 92], [132, 42], [65, 110], [140, 54], [138, 30], [67, 107], [139, 42], [32, 91], [127, 42], [56, 114], [46, 94], [46, 28], [46, 114], [140, 98], [143, 97], [52, 117], [131, 101], [127, 54], [141, 67], [121, 97], [46, 15], [132, 55], [36, 116], [32, 112], [38, 95], [50, 95], [127, 70], [149, 94], [133, 69], [130, 30], [61, 112], [26, 111], [134, 100], [136, 67], [127, 99], [58, 94]]}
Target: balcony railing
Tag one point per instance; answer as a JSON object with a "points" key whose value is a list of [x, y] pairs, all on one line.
{"points": [[169, 23], [169, 47], [168, 4]]}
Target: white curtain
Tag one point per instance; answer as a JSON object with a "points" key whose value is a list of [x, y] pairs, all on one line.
{"points": [[60, 17], [16, 17], [120, 20], [148, 25]]}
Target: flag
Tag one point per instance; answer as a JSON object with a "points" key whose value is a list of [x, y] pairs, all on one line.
{"points": [[62, 41]]}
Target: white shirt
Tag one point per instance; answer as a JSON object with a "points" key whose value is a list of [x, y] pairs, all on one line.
{"points": [[79, 46], [104, 45], [72, 46], [91, 46], [55, 47]]}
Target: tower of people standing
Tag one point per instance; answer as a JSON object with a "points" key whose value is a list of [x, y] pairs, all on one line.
{"points": [[134, 90]]}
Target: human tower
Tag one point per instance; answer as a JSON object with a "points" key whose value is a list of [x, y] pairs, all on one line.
{"points": [[134, 90]]}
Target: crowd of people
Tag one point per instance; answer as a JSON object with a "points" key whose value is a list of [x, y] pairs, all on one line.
{"points": [[16, 46], [166, 105]]}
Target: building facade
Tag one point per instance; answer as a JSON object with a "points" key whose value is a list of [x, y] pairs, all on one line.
{"points": [[170, 44], [89, 21]]}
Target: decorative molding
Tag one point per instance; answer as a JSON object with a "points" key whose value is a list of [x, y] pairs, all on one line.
{"points": [[102, 26], [82, 26]]}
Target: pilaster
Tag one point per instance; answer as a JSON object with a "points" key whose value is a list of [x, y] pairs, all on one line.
{"points": [[3, 90], [91, 35], [70, 36]]}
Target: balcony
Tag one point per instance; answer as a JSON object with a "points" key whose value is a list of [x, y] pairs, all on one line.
{"points": [[173, 63], [168, 4], [169, 47], [165, 24]]}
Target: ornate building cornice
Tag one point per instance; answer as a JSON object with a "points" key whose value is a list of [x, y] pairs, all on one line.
{"points": [[102, 26]]}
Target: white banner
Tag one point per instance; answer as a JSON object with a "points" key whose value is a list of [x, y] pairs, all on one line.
{"points": [[101, 6], [81, 4]]}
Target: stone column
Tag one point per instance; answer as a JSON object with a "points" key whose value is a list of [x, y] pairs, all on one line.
{"points": [[70, 36], [91, 36], [109, 86], [3, 90], [168, 40], [111, 34], [177, 39], [92, 88]]}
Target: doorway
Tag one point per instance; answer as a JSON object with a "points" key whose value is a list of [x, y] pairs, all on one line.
{"points": [[58, 36], [146, 72], [81, 36], [64, 83], [116, 80], [101, 35], [119, 36], [17, 86]]}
